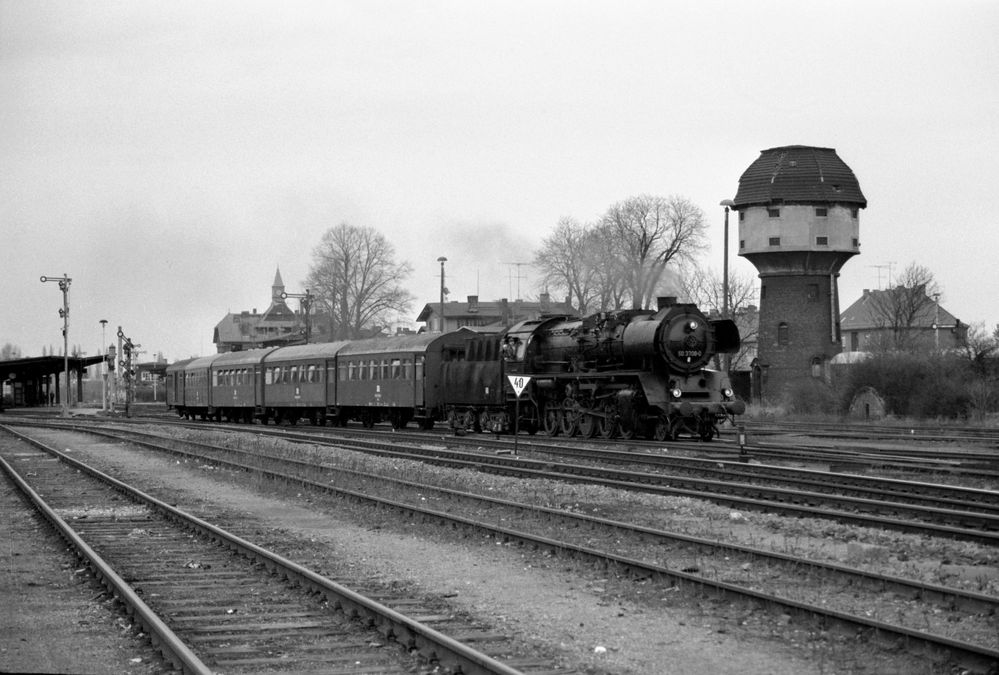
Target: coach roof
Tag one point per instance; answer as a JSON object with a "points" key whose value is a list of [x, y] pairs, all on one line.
{"points": [[402, 343]]}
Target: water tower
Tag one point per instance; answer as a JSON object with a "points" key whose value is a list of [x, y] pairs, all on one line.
{"points": [[799, 223]]}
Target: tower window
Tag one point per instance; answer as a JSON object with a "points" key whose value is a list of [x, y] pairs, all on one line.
{"points": [[812, 292], [742, 244], [742, 216], [763, 291], [816, 367], [822, 241], [782, 334], [856, 243], [854, 212], [821, 211], [773, 213], [775, 241]]}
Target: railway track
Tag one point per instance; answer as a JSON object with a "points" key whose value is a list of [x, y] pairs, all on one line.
{"points": [[946, 511], [212, 601], [685, 574], [905, 506]]}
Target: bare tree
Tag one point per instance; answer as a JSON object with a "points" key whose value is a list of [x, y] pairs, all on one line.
{"points": [[9, 352], [648, 233], [980, 349], [356, 277], [564, 263], [897, 311], [609, 275]]}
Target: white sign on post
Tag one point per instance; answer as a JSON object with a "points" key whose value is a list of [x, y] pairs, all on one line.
{"points": [[518, 382]]}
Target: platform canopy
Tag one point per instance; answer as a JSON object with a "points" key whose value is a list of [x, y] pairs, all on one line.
{"points": [[30, 378]]}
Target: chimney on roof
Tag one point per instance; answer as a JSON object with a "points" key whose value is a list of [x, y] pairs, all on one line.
{"points": [[665, 301], [546, 303], [473, 303]]}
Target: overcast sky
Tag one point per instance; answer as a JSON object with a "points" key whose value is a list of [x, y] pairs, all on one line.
{"points": [[170, 156]]}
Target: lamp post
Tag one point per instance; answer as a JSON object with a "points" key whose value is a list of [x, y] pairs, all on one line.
{"points": [[64, 282], [442, 260], [727, 203], [104, 367], [936, 322]]}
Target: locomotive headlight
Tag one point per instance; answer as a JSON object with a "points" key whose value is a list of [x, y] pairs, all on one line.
{"points": [[691, 326], [727, 392], [675, 392]]}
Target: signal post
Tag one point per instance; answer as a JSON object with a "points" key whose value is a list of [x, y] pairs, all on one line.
{"points": [[519, 383]]}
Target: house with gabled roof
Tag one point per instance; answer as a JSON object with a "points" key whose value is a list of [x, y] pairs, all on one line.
{"points": [[278, 325], [900, 318], [494, 315]]}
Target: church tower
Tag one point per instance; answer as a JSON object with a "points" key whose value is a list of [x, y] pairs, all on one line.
{"points": [[799, 223], [277, 288]]}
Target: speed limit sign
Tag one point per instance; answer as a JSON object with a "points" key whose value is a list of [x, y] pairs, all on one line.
{"points": [[518, 382]]}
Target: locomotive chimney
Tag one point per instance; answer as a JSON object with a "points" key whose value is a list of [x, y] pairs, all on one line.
{"points": [[663, 302]]}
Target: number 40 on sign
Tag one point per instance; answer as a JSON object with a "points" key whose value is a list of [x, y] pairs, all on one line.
{"points": [[518, 382]]}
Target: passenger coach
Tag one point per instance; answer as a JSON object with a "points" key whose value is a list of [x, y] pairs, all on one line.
{"points": [[236, 394], [386, 379], [299, 382]]}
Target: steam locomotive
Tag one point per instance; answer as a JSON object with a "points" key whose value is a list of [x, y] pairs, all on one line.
{"points": [[621, 373]]}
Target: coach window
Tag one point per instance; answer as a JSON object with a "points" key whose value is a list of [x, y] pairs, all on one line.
{"points": [[419, 367], [396, 369], [386, 371], [782, 336]]}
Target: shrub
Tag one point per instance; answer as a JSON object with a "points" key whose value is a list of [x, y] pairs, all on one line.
{"points": [[913, 385]]}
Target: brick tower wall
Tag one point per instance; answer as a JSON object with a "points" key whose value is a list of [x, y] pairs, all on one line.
{"points": [[808, 307]]}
